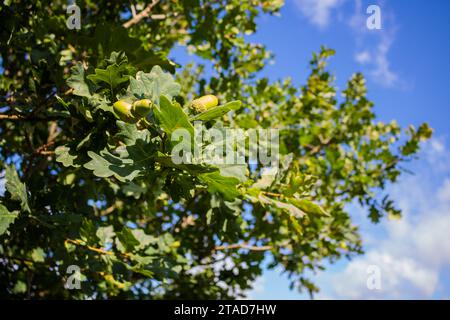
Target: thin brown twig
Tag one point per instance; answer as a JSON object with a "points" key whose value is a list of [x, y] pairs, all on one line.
{"points": [[47, 153], [9, 117], [110, 209], [43, 149], [68, 91], [141, 15], [29, 118]]}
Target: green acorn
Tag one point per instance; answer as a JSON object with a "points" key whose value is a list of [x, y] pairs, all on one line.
{"points": [[123, 110], [141, 108], [204, 103]]}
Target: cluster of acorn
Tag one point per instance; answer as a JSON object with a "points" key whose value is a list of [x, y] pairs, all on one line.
{"points": [[139, 109]]}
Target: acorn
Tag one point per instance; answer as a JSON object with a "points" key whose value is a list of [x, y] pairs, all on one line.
{"points": [[123, 110], [141, 108], [204, 103]]}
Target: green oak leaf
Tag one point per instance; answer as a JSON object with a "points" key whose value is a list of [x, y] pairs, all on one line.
{"points": [[134, 190], [105, 234], [113, 38], [238, 171], [217, 111], [6, 218], [127, 241], [290, 212], [77, 81], [166, 161], [100, 102], [267, 178], [218, 183], [63, 155], [20, 287], [136, 156], [154, 84], [38, 255], [107, 165], [16, 188], [117, 57], [144, 239], [122, 285], [309, 207], [88, 232], [112, 75], [172, 117], [86, 112], [129, 133], [283, 205]]}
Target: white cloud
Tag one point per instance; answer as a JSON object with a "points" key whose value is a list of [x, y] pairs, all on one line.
{"points": [[318, 12], [382, 72], [410, 260], [414, 251], [396, 275], [437, 146], [373, 46], [437, 156], [363, 57]]}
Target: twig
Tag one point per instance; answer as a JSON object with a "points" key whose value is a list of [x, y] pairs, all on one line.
{"points": [[43, 149], [313, 149], [243, 246], [9, 117], [110, 209], [273, 194], [28, 118], [98, 250], [47, 153], [158, 16], [68, 91], [141, 15], [133, 9]]}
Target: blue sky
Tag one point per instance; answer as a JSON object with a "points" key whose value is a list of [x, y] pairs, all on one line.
{"points": [[407, 67]]}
